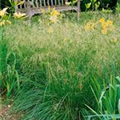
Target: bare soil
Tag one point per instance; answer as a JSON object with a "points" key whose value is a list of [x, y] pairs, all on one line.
{"points": [[5, 114]]}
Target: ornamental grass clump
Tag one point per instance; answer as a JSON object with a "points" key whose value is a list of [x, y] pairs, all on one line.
{"points": [[56, 63]]}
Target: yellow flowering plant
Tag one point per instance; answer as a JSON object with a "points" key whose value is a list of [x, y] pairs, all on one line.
{"points": [[19, 15], [52, 15], [3, 12], [106, 25], [90, 26], [4, 18]]}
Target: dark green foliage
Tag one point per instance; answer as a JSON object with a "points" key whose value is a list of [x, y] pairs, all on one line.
{"points": [[9, 81], [4, 3], [108, 4]]}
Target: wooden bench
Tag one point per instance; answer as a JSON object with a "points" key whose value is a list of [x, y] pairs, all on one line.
{"points": [[32, 7]]}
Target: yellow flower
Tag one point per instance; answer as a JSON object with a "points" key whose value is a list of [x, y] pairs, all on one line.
{"points": [[110, 25], [89, 26], [54, 13], [2, 23], [3, 12], [67, 3], [19, 15], [53, 19], [106, 25], [104, 31], [54, 16], [109, 22], [102, 20]]}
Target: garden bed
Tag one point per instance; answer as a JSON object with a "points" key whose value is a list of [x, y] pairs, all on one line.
{"points": [[62, 70]]}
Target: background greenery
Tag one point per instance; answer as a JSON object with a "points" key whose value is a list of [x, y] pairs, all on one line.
{"points": [[104, 3], [4, 3], [108, 4]]}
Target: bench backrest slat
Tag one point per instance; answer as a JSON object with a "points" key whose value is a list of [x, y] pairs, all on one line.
{"points": [[66, 0], [51, 2], [48, 2], [41, 3], [37, 3], [20, 5], [55, 2], [32, 7], [44, 3], [58, 2]]}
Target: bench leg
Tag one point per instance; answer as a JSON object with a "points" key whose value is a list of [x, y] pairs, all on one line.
{"points": [[78, 14], [29, 12], [78, 9], [29, 19]]}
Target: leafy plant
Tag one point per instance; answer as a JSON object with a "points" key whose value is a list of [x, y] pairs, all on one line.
{"points": [[118, 7], [8, 73], [93, 4], [15, 3], [106, 93]]}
